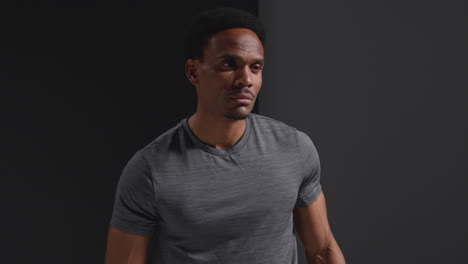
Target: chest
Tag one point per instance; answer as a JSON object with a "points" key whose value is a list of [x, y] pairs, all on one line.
{"points": [[204, 194]]}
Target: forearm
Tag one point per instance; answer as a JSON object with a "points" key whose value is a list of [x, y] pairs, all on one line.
{"points": [[329, 255]]}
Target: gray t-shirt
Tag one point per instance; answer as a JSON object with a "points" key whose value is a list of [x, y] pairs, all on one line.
{"points": [[207, 205]]}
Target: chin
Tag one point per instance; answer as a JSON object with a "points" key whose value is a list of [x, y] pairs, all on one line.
{"points": [[237, 116]]}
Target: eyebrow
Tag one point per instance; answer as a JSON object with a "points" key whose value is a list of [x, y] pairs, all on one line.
{"points": [[236, 57]]}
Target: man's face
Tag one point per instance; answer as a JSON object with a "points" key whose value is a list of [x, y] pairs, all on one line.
{"points": [[229, 75]]}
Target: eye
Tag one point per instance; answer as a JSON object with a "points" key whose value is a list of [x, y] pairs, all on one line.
{"points": [[229, 63], [256, 67]]}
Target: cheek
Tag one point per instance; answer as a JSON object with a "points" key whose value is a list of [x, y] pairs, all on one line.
{"points": [[215, 83], [210, 78], [258, 82], [210, 88]]}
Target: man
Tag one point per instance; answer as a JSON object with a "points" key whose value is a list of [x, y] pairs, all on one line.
{"points": [[224, 185]]}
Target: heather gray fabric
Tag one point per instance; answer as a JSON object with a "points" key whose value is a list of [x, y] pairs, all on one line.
{"points": [[206, 205]]}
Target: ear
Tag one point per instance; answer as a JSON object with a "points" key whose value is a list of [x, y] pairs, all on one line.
{"points": [[191, 68]]}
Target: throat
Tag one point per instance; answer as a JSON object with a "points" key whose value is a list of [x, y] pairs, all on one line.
{"points": [[219, 134]]}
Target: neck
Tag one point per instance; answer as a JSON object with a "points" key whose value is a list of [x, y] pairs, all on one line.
{"points": [[218, 132]]}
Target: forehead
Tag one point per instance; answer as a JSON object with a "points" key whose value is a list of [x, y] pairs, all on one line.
{"points": [[238, 41]]}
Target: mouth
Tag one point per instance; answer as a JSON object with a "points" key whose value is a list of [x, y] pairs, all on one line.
{"points": [[242, 98]]}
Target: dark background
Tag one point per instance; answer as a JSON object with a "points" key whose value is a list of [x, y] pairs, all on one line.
{"points": [[379, 86], [83, 88]]}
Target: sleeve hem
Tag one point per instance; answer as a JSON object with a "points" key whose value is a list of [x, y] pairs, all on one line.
{"points": [[311, 198], [131, 228]]}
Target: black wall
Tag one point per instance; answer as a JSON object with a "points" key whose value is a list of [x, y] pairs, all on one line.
{"points": [[83, 87], [381, 88]]}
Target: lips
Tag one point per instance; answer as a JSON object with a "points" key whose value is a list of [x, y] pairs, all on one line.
{"points": [[242, 96]]}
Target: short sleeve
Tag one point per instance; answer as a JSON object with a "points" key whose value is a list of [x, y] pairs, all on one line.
{"points": [[134, 205], [310, 187]]}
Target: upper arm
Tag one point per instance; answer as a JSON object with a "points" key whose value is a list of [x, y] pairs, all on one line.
{"points": [[125, 248], [310, 187], [311, 224], [134, 215], [135, 209], [310, 214]]}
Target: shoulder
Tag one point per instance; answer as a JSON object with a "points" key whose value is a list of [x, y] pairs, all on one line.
{"points": [[268, 123], [278, 130]]}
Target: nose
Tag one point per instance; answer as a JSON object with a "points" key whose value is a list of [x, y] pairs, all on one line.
{"points": [[243, 77]]}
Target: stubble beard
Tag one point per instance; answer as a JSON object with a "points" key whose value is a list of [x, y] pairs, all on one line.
{"points": [[236, 116]]}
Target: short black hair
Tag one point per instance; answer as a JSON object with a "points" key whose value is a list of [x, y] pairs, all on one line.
{"points": [[209, 22]]}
